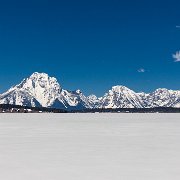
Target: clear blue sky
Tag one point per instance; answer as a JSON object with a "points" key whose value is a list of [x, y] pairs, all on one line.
{"points": [[91, 44]]}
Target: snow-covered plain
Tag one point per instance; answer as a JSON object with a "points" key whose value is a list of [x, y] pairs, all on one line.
{"points": [[90, 146]]}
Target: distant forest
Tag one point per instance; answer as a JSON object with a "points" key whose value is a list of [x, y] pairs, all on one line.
{"points": [[8, 108]]}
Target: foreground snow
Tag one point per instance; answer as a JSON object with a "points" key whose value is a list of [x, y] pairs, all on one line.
{"points": [[89, 146]]}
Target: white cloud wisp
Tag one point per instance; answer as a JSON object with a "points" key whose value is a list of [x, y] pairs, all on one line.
{"points": [[176, 56]]}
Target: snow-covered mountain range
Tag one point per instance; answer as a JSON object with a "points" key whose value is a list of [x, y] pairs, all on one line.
{"points": [[41, 90]]}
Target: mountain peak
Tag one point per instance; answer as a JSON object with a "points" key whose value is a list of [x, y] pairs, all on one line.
{"points": [[41, 86], [121, 97], [161, 90], [40, 76], [119, 88]]}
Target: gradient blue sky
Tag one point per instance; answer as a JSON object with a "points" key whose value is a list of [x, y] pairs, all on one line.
{"points": [[92, 44]]}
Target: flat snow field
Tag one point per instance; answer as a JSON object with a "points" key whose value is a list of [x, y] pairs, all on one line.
{"points": [[89, 146]]}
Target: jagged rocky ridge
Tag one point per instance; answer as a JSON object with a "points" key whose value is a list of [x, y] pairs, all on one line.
{"points": [[40, 90]]}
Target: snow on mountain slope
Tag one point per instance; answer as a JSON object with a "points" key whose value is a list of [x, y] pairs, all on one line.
{"points": [[42, 90], [93, 101], [74, 100], [18, 97], [38, 86], [163, 98], [121, 97]]}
